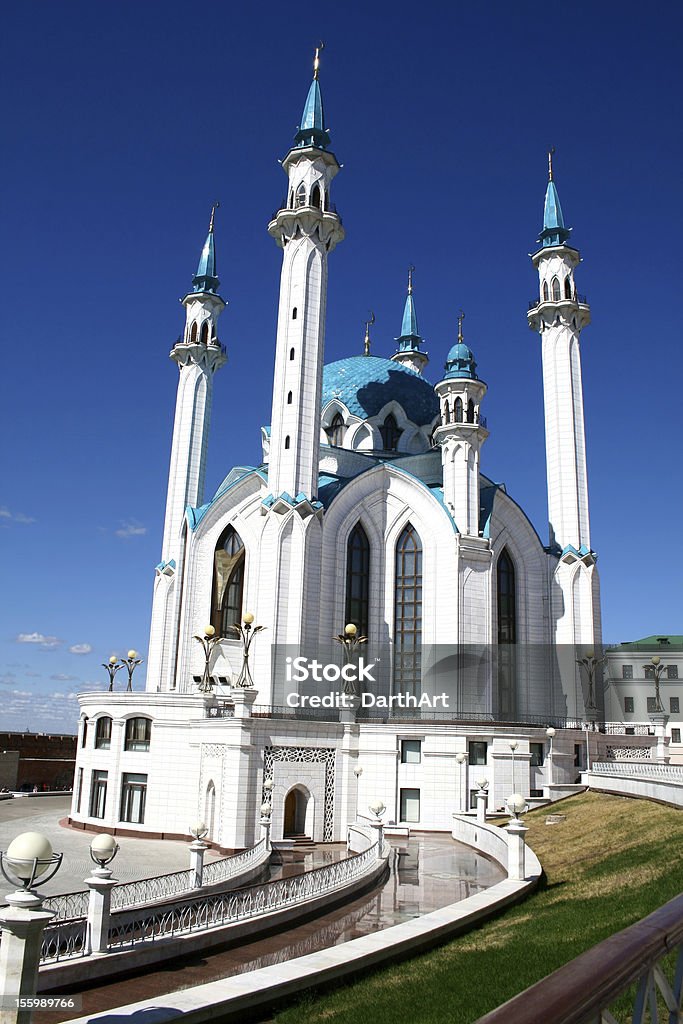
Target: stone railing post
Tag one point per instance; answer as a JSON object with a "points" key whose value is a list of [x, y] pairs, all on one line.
{"points": [[197, 851], [516, 850], [266, 812], [379, 832], [243, 700], [100, 884], [482, 800], [22, 922]]}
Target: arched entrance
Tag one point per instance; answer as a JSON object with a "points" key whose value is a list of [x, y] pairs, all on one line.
{"points": [[298, 813]]}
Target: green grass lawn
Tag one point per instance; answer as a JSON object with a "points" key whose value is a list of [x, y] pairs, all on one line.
{"points": [[611, 862]]}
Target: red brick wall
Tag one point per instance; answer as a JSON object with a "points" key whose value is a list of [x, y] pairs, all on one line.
{"points": [[45, 761]]}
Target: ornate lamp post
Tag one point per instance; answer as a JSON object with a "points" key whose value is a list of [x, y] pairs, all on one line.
{"points": [[112, 666], [550, 733], [350, 642], [590, 663], [197, 850], [131, 663], [247, 631], [513, 746], [103, 849], [461, 757], [657, 669], [208, 642]]}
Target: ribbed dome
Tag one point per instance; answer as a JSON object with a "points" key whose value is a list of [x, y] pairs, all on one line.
{"points": [[365, 384], [460, 362]]}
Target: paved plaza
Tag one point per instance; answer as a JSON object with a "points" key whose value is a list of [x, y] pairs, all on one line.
{"points": [[137, 858]]}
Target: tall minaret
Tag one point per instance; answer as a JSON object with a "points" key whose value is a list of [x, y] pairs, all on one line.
{"points": [[461, 434], [409, 340], [307, 228], [559, 315], [198, 355]]}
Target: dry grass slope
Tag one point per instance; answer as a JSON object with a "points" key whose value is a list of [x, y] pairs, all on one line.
{"points": [[611, 862]]}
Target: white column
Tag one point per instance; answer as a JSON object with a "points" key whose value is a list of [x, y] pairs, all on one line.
{"points": [[197, 851], [100, 884], [22, 923], [516, 850]]}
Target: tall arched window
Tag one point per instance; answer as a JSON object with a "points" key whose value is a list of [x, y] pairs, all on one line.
{"points": [[567, 287], [287, 443], [408, 612], [301, 195], [315, 195], [446, 413], [335, 431], [358, 579], [204, 333], [228, 582], [390, 433], [546, 293], [458, 410], [291, 355], [289, 398], [556, 289], [470, 411], [507, 634]]}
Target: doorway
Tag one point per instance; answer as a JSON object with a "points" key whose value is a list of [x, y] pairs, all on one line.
{"points": [[298, 804]]}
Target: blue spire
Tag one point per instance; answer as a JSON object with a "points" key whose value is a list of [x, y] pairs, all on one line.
{"points": [[312, 131], [554, 232], [409, 339], [205, 279]]}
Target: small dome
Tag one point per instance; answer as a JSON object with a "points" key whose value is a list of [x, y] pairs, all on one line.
{"points": [[365, 384], [460, 362]]}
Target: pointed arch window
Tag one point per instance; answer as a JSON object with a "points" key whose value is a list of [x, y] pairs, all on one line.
{"points": [[301, 195], [315, 195], [289, 398], [446, 413], [228, 582], [193, 332], [358, 580], [555, 285], [458, 410], [291, 355], [287, 443], [470, 411], [335, 431], [204, 333], [390, 433], [408, 612], [507, 634], [546, 293], [567, 287]]}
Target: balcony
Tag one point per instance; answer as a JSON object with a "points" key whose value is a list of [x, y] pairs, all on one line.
{"points": [[579, 300]]}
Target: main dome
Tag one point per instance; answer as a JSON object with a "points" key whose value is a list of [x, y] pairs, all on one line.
{"points": [[365, 384]]}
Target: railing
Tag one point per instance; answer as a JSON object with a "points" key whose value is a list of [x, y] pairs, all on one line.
{"points": [[204, 912], [300, 714], [584, 990], [580, 299], [64, 940], [223, 710], [640, 769], [74, 905], [620, 729]]}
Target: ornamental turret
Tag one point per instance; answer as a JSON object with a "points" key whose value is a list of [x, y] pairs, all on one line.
{"points": [[461, 433], [559, 314], [198, 354], [306, 228], [408, 352]]}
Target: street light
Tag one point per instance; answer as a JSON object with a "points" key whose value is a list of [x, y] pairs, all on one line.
{"points": [[112, 666], [590, 663], [131, 663], [103, 849], [29, 857], [461, 757], [350, 642], [199, 830], [378, 809], [550, 733], [247, 631], [516, 805], [208, 642], [657, 669], [513, 746]]}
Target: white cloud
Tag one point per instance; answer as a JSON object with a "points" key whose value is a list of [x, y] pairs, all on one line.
{"points": [[46, 642], [39, 712], [16, 517], [8, 679], [80, 649], [62, 677], [131, 528]]}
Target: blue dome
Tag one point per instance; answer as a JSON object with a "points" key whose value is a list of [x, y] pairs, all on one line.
{"points": [[460, 362], [365, 384]]}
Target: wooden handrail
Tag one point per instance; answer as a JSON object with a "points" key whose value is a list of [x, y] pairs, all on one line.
{"points": [[579, 991]]}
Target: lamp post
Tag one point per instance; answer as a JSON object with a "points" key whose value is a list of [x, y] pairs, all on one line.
{"points": [[112, 666], [350, 642], [103, 849], [513, 746], [131, 663], [28, 862], [590, 663], [657, 669], [208, 642], [378, 809], [461, 757], [482, 799], [516, 831], [247, 631], [550, 733]]}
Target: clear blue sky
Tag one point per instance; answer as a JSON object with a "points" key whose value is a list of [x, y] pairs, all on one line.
{"points": [[124, 121]]}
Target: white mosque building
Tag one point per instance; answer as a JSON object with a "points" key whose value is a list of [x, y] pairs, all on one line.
{"points": [[369, 508]]}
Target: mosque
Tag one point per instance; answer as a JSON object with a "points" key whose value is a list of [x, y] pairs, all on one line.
{"points": [[369, 519]]}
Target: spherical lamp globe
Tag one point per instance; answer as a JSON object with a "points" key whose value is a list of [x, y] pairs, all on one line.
{"points": [[103, 848], [25, 850]]}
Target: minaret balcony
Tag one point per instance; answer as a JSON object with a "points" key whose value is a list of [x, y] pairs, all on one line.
{"points": [[580, 300], [287, 222]]}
